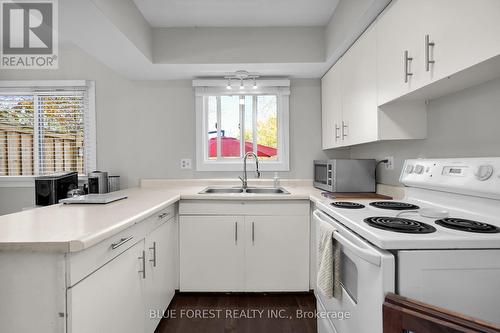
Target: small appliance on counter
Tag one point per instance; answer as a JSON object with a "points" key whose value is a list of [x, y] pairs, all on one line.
{"points": [[345, 175], [98, 182], [50, 189]]}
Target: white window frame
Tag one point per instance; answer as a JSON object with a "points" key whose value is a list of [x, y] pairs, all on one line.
{"points": [[280, 88], [90, 124]]}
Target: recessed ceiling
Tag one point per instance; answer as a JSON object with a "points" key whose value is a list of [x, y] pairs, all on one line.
{"points": [[236, 13]]}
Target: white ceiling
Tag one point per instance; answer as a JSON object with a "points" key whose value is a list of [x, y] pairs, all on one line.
{"points": [[236, 13]]}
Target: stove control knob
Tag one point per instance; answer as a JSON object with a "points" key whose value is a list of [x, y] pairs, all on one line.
{"points": [[419, 169], [409, 168], [484, 172]]}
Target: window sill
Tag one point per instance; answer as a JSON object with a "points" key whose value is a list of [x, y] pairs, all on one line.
{"points": [[27, 181], [17, 181]]}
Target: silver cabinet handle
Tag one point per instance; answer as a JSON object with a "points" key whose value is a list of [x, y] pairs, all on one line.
{"points": [[428, 45], [344, 127], [161, 216], [407, 61], [121, 242], [337, 136], [235, 233], [154, 254], [143, 259], [253, 233]]}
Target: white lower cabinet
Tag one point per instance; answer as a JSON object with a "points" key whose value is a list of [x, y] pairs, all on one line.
{"points": [[110, 299], [211, 253], [250, 253], [276, 256], [120, 294], [160, 271]]}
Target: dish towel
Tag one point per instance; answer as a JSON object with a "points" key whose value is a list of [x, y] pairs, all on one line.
{"points": [[328, 279]]}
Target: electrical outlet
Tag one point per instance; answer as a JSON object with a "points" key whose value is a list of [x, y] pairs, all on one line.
{"points": [[186, 163], [390, 163]]}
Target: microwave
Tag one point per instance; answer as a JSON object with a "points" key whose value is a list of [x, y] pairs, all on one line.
{"points": [[345, 175]]}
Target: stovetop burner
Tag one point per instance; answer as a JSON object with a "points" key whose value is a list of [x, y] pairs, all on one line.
{"points": [[397, 224], [393, 205], [347, 204], [467, 225]]}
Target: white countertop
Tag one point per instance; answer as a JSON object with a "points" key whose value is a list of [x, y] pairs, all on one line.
{"points": [[71, 228]]}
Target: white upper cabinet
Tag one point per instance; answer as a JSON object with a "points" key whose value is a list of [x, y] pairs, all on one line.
{"points": [[464, 33], [331, 105], [350, 111], [359, 91], [422, 42], [398, 50]]}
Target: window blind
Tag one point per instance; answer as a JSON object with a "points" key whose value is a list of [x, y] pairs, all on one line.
{"points": [[45, 131]]}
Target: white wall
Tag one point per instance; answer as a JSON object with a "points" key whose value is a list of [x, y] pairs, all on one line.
{"points": [[145, 127], [464, 124], [239, 45]]}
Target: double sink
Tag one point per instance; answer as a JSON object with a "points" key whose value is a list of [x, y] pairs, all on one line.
{"points": [[240, 190]]}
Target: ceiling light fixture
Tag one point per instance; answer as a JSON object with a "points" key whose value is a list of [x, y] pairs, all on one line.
{"points": [[242, 76]]}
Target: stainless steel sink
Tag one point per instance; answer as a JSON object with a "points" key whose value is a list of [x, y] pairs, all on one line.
{"points": [[220, 190], [249, 190], [267, 190]]}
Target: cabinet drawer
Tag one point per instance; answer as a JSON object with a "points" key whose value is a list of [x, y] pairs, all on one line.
{"points": [[161, 217], [83, 263]]}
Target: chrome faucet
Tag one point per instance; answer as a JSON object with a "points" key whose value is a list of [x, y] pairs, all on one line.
{"points": [[244, 180]]}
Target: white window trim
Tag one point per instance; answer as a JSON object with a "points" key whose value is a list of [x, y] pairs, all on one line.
{"points": [[29, 181], [281, 88]]}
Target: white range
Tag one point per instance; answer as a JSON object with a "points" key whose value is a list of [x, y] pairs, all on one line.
{"points": [[440, 245]]}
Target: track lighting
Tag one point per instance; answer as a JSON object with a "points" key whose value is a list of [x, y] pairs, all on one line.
{"points": [[242, 76]]}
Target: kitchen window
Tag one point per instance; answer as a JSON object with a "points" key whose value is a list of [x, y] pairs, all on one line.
{"points": [[232, 123], [45, 127]]}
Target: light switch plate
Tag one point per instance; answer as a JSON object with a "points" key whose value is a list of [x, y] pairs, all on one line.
{"points": [[186, 163]]}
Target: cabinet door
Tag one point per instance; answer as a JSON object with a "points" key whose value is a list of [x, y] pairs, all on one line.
{"points": [[331, 107], [277, 253], [211, 253], [160, 272], [359, 91], [398, 30], [464, 32], [110, 299]]}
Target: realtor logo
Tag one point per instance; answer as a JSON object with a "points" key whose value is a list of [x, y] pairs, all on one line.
{"points": [[28, 34]]}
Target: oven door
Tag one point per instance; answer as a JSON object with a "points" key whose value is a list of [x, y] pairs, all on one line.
{"points": [[367, 275]]}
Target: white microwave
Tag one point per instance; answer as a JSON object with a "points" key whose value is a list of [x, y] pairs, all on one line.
{"points": [[345, 175]]}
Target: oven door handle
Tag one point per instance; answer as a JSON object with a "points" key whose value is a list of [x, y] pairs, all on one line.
{"points": [[364, 253], [358, 247]]}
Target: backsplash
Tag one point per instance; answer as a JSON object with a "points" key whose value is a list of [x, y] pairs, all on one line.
{"points": [[464, 124]]}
